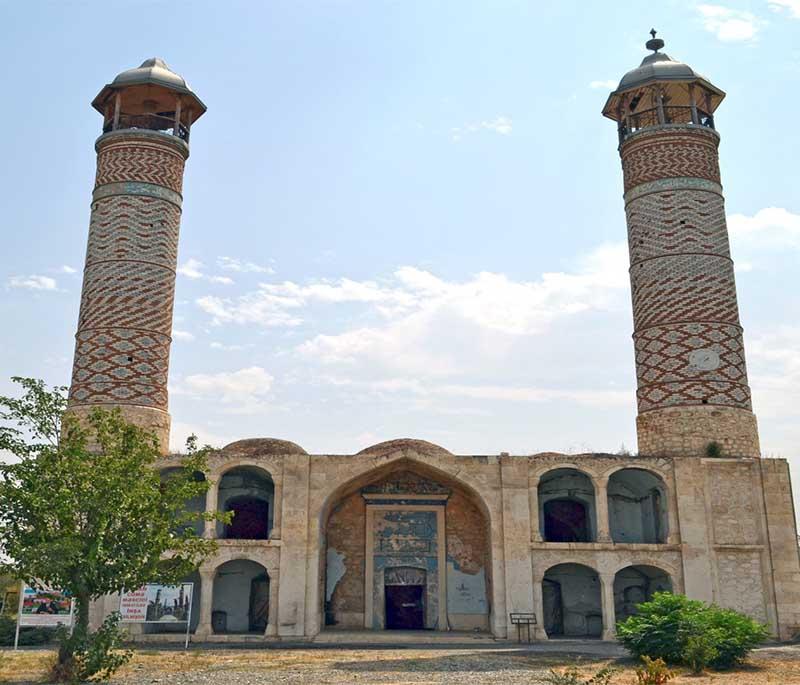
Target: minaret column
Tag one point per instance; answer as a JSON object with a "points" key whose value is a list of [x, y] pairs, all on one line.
{"points": [[124, 332], [124, 328], [690, 366]]}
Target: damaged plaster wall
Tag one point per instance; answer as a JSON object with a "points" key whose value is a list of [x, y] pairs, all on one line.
{"points": [[344, 574]]}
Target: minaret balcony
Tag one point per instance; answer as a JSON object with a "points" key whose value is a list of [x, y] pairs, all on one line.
{"points": [[667, 115], [163, 122]]}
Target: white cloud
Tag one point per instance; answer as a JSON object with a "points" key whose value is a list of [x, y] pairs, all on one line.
{"points": [[245, 388], [179, 431], [791, 7], [33, 282], [191, 268], [233, 264], [773, 226], [66, 269], [182, 335], [729, 25], [500, 124], [603, 85], [228, 348]]}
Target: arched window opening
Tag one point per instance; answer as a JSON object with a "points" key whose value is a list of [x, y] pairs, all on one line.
{"points": [[249, 493], [572, 603], [637, 507], [636, 584], [567, 507], [241, 598], [195, 505]]}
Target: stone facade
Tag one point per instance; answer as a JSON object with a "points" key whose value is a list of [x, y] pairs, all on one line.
{"points": [[405, 534]]}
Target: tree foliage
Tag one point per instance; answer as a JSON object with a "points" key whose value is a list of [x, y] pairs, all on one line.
{"points": [[83, 507]]}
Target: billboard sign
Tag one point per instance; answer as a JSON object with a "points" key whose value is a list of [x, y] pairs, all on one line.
{"points": [[154, 603], [44, 606]]}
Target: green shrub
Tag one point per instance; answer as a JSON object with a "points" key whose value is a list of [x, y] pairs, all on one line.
{"points": [[28, 636], [713, 450], [664, 627]]}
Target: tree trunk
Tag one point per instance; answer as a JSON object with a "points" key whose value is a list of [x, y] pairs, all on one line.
{"points": [[80, 629]]}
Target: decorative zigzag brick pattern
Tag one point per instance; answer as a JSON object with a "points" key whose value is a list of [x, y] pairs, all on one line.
{"points": [[682, 279], [676, 222], [125, 294], [123, 340], [140, 161], [114, 362], [134, 227], [683, 288], [695, 392], [670, 153], [662, 365]]}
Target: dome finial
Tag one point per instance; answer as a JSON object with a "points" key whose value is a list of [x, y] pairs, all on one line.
{"points": [[654, 44]]}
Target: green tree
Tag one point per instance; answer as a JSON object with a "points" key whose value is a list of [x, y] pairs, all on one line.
{"points": [[83, 507]]}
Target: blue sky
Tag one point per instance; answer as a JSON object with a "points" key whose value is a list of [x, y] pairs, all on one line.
{"points": [[400, 218]]}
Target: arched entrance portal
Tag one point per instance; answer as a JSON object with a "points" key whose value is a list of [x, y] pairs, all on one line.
{"points": [[407, 551], [636, 584], [572, 601]]}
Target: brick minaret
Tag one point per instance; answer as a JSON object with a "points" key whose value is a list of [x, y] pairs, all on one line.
{"points": [[690, 366], [124, 329]]}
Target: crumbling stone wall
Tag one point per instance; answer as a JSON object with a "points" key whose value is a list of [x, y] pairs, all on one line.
{"points": [[344, 592]]}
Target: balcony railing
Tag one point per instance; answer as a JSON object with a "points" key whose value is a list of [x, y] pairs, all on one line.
{"points": [[149, 122], [668, 114]]}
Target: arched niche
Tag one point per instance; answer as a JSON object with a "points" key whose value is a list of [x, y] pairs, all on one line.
{"points": [[636, 584], [195, 505], [406, 535], [240, 603], [567, 511], [637, 507], [572, 602], [248, 492]]}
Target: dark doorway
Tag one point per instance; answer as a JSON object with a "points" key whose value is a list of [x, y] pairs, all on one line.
{"points": [[565, 521], [250, 519], [259, 603], [405, 609], [553, 606]]}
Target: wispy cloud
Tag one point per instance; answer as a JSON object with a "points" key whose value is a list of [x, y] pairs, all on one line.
{"points": [[603, 85], [239, 266], [729, 25], [790, 7], [771, 226], [195, 270], [33, 282], [502, 125], [66, 269], [185, 336]]}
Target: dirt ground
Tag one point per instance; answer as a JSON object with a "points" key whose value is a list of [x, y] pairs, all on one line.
{"points": [[777, 666]]}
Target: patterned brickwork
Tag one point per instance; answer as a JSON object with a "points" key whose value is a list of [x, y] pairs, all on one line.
{"points": [[687, 337], [127, 294], [683, 221], [666, 377], [672, 152], [142, 161], [108, 360], [131, 227], [123, 339], [683, 288]]}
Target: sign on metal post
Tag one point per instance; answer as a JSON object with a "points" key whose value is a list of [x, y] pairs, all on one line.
{"points": [[43, 607], [154, 603]]}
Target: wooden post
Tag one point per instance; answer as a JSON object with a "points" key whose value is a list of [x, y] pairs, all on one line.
{"points": [[176, 131], [660, 104], [693, 102], [117, 108]]}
